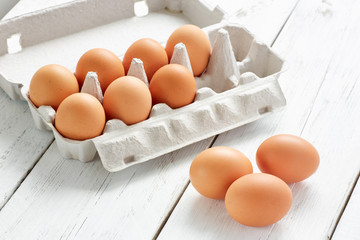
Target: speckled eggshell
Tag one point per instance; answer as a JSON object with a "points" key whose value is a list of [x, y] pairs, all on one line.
{"points": [[51, 84], [128, 99], [174, 85], [258, 199], [215, 169], [80, 116], [288, 157]]}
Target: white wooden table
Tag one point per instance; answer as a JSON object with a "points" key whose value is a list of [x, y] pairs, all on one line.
{"points": [[43, 196]]}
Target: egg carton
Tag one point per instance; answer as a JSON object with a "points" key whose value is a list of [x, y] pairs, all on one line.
{"points": [[240, 85]]}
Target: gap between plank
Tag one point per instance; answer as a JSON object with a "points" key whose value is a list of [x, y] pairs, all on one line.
{"points": [[316, 97], [306, 121], [26, 174], [344, 207], [178, 199], [285, 22]]}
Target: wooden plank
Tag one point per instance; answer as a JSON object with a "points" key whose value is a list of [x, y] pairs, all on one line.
{"points": [[249, 13], [321, 86], [262, 17], [21, 145], [69, 199], [349, 224]]}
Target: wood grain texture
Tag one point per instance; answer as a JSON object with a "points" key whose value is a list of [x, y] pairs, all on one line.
{"points": [[73, 200], [21, 145], [321, 85], [260, 16], [348, 227], [67, 199]]}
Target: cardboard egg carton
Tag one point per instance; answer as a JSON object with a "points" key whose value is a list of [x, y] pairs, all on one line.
{"points": [[239, 86]]}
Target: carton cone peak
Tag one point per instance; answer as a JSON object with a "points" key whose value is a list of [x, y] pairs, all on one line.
{"points": [[222, 65], [92, 86], [180, 56], [136, 69]]}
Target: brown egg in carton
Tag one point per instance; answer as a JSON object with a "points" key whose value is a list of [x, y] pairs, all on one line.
{"points": [[239, 86]]}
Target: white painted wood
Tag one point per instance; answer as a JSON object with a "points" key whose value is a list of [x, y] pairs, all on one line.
{"points": [[274, 12], [349, 224], [21, 144], [68, 199], [321, 85]]}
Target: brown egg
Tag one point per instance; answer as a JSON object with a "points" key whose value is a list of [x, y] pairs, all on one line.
{"points": [[128, 99], [174, 85], [150, 52], [258, 199], [197, 45], [288, 157], [215, 169], [80, 116], [51, 84], [105, 63]]}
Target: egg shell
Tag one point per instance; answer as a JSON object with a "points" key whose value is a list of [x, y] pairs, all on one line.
{"points": [[197, 45], [105, 63], [215, 169], [128, 99], [174, 85], [150, 52], [80, 116], [258, 199], [51, 84], [288, 157]]}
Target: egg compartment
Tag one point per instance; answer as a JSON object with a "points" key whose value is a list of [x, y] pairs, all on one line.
{"points": [[225, 99], [239, 86]]}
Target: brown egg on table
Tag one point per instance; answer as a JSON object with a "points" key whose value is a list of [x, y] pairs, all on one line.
{"points": [[150, 52], [80, 116], [197, 45], [215, 169], [258, 199], [105, 63], [128, 99], [288, 157], [174, 85], [51, 84]]}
